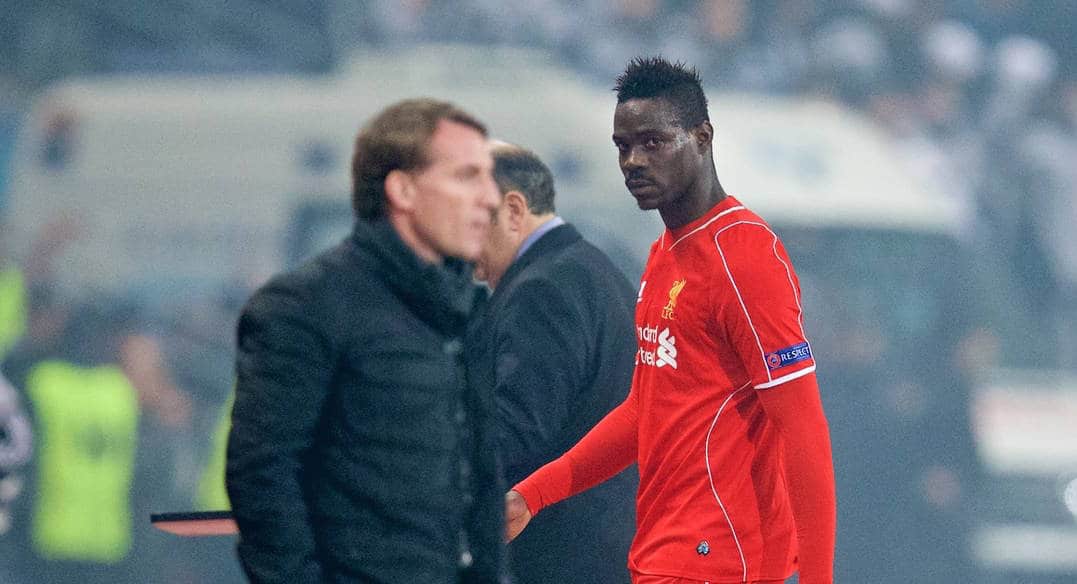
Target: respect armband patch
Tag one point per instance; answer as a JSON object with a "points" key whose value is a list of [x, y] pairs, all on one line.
{"points": [[788, 356]]}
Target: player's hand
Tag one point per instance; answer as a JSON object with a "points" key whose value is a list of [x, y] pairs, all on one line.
{"points": [[517, 515]]}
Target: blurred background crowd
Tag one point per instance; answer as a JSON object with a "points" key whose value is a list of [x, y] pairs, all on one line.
{"points": [[977, 99]]}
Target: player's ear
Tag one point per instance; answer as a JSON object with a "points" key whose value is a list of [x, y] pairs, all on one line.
{"points": [[399, 191], [516, 205], [704, 134]]}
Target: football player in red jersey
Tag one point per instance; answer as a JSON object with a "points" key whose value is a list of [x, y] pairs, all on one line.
{"points": [[724, 416]]}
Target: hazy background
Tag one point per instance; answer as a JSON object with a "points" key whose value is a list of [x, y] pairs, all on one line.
{"points": [[160, 158]]}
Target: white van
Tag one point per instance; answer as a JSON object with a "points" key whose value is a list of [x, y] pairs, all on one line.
{"points": [[184, 181]]}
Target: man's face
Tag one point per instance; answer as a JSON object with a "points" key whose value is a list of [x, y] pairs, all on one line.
{"points": [[660, 160], [455, 193], [499, 249]]}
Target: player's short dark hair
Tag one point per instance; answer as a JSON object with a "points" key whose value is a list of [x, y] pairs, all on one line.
{"points": [[519, 169], [655, 77], [397, 139]]}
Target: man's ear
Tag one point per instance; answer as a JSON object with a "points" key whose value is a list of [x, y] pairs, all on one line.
{"points": [[704, 135], [517, 209], [399, 191]]}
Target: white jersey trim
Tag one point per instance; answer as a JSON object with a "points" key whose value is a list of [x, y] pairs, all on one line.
{"points": [[710, 477], [796, 297], [792, 286], [711, 220], [785, 378], [736, 290]]}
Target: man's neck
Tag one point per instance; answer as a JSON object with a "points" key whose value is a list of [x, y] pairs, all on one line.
{"points": [[531, 232], [699, 199], [406, 231], [532, 223]]}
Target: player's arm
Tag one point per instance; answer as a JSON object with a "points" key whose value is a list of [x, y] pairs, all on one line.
{"points": [[283, 371], [796, 410], [540, 362], [602, 453], [760, 309]]}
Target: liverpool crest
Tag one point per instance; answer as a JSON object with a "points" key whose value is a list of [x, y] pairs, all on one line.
{"points": [[667, 312]]}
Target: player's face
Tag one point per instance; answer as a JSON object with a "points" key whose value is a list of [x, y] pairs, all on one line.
{"points": [[660, 160], [455, 193]]}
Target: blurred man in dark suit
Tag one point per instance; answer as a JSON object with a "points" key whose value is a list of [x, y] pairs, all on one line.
{"points": [[556, 343]]}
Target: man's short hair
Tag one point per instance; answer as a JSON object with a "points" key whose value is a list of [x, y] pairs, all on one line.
{"points": [[655, 77], [397, 139], [519, 169]]}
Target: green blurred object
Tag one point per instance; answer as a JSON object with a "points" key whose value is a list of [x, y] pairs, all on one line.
{"points": [[87, 423], [212, 494], [12, 307]]}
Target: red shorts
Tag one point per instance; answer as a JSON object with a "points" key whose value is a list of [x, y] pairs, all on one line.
{"points": [[638, 578]]}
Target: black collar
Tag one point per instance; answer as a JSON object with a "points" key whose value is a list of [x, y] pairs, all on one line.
{"points": [[443, 295]]}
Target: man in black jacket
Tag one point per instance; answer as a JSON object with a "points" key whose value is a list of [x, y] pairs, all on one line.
{"points": [[357, 451], [556, 344]]}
